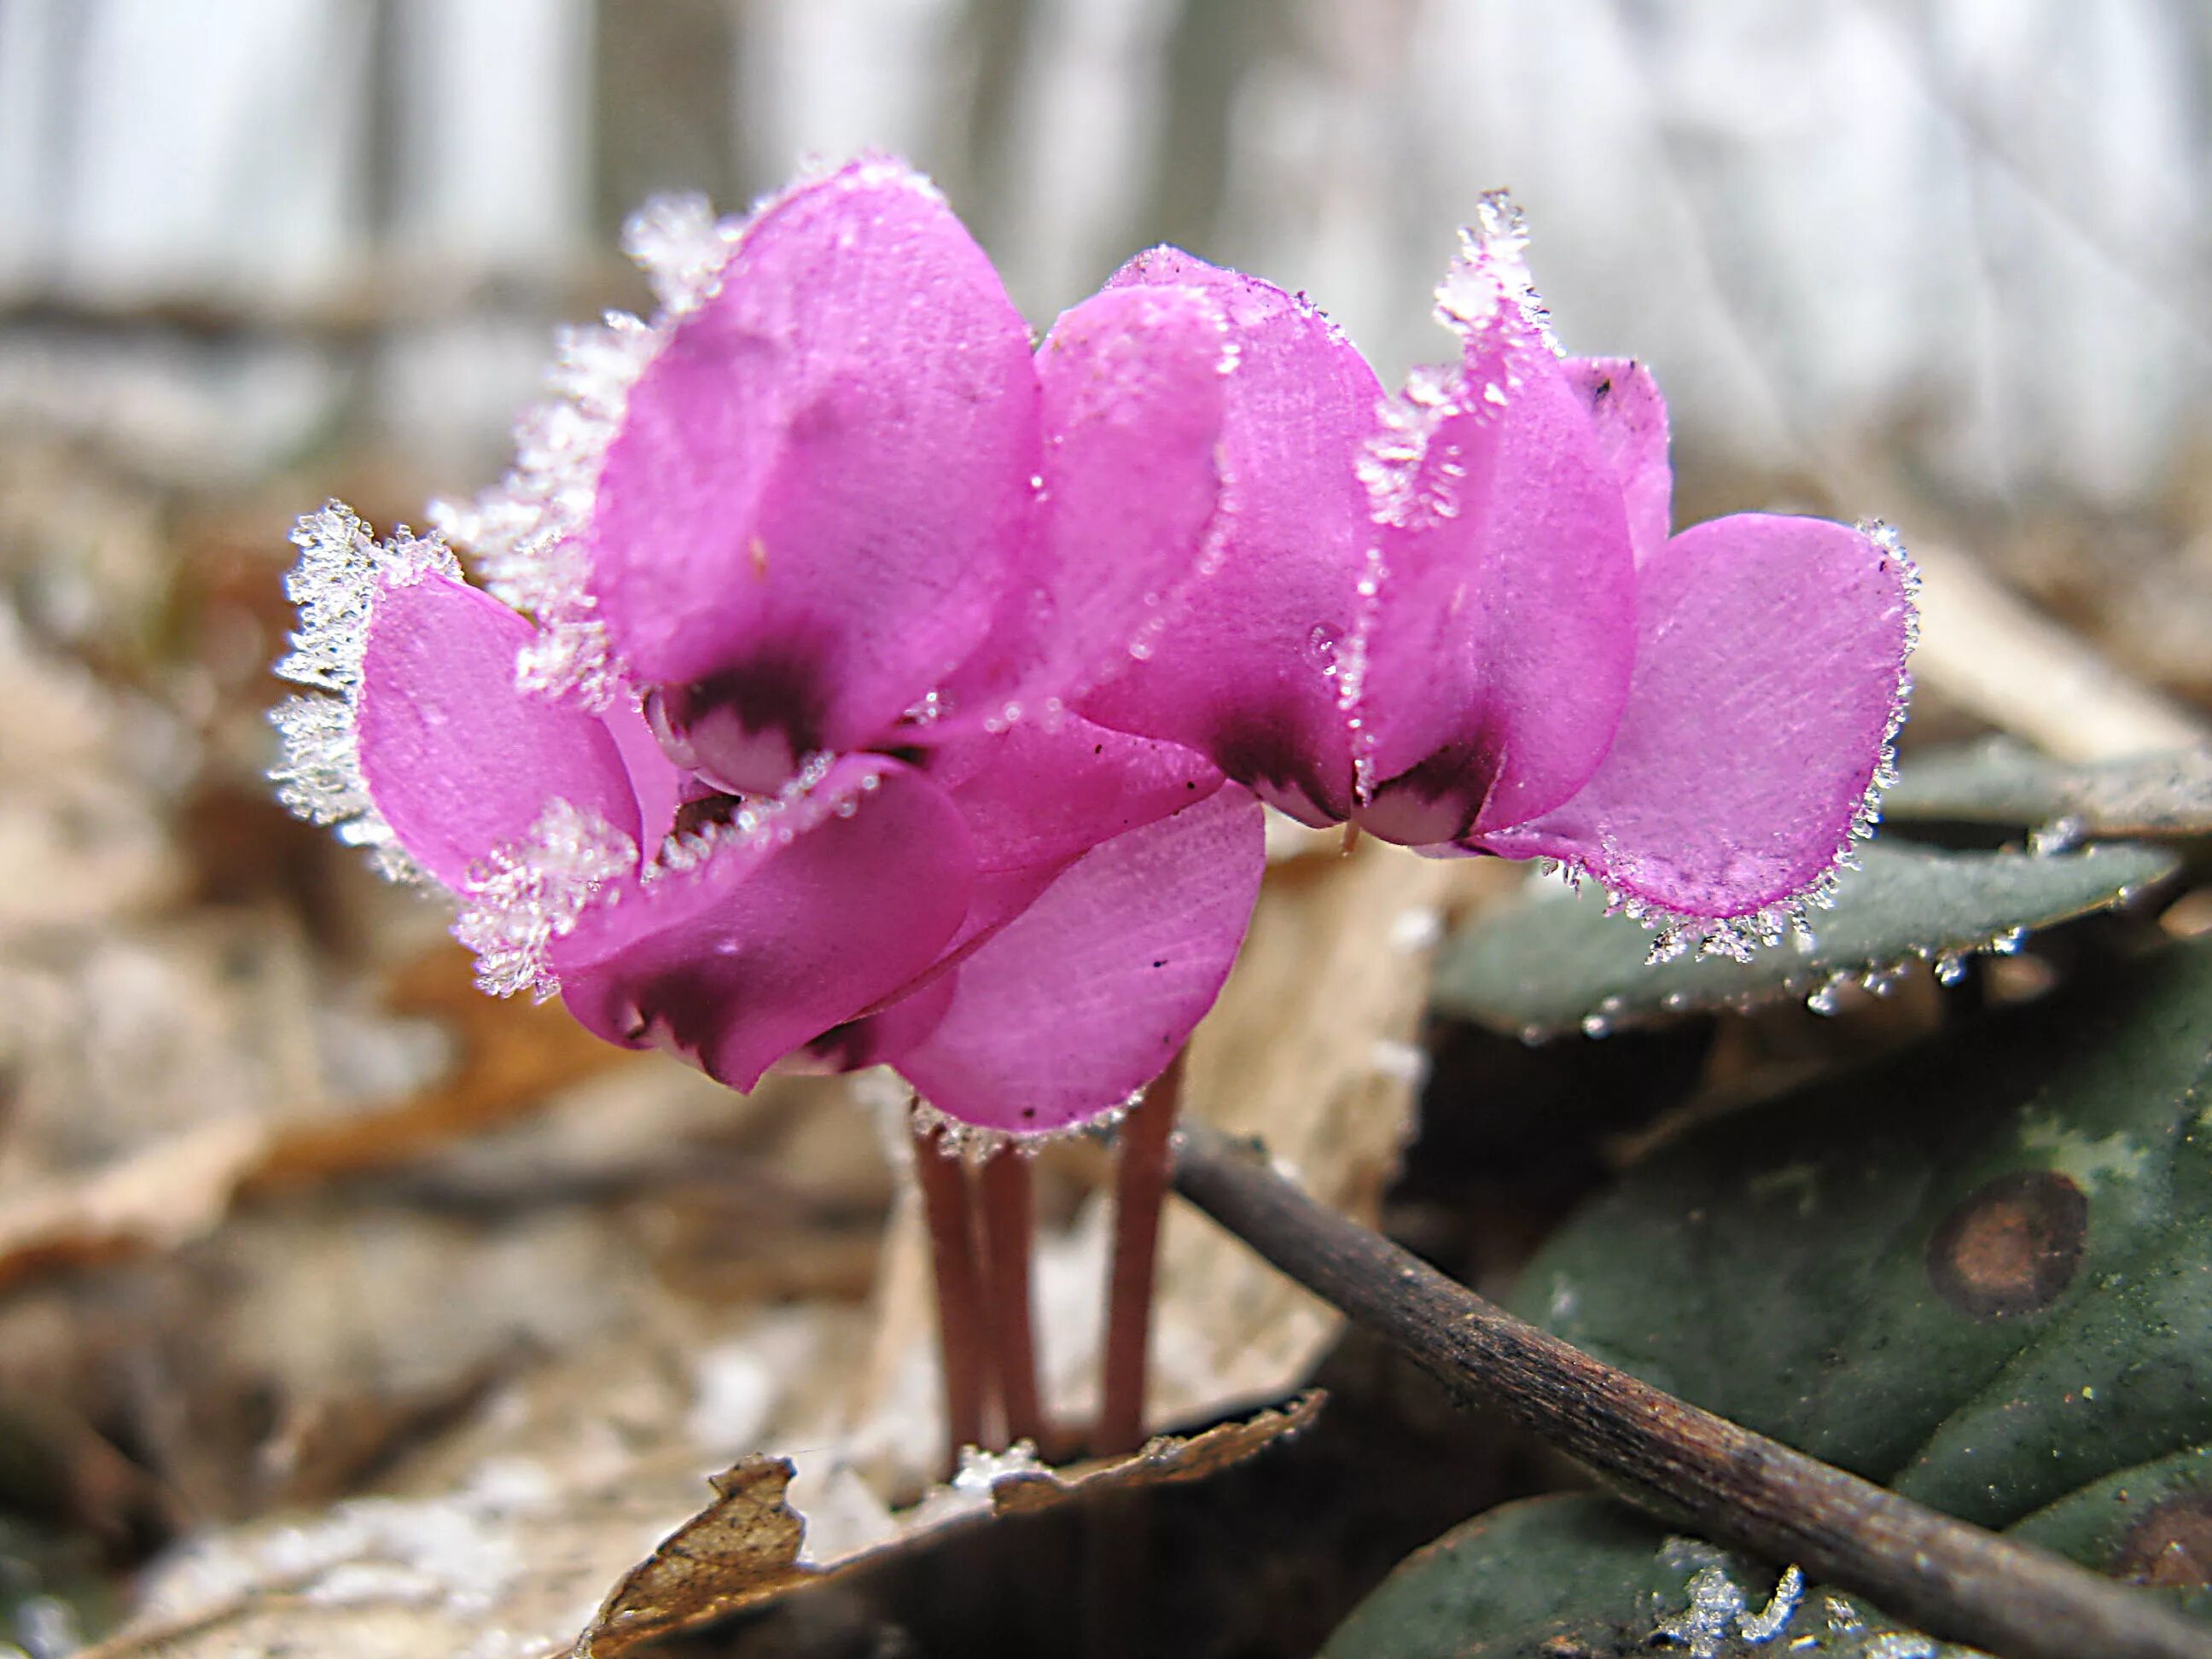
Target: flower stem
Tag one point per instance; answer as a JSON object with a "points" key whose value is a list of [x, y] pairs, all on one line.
{"points": [[961, 1331], [1009, 1221], [1952, 1580], [1140, 1188]]}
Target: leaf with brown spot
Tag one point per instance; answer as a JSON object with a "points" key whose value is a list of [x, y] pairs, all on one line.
{"points": [[2011, 1246], [1979, 1271], [1553, 963]]}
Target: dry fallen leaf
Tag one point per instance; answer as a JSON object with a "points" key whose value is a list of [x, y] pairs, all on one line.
{"points": [[743, 1550], [165, 1196], [493, 1569], [513, 1055], [512, 1058]]}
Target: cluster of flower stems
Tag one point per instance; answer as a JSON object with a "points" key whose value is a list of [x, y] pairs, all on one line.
{"points": [[982, 1225]]}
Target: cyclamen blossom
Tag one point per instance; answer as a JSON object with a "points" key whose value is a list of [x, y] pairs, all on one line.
{"points": [[855, 683], [1457, 619], [753, 785]]}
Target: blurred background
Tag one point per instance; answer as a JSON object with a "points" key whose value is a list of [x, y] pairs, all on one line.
{"points": [[1946, 255], [283, 1203], [1972, 229]]}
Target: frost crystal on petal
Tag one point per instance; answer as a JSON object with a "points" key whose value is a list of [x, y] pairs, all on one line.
{"points": [[342, 569], [1739, 938], [977, 1143], [1490, 278], [524, 896], [527, 534], [681, 246], [335, 585], [1394, 464], [756, 820]]}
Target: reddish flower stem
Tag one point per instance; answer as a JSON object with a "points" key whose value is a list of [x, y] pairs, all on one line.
{"points": [[1140, 1187], [1009, 1222], [962, 1334]]}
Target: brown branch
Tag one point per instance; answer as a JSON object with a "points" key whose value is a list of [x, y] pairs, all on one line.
{"points": [[1953, 1581]]}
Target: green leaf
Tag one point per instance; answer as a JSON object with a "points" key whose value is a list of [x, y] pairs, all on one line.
{"points": [[1580, 1578], [1555, 961], [2000, 781], [1979, 1272]]}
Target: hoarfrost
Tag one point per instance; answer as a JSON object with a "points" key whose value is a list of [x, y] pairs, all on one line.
{"points": [[521, 898], [342, 571]]}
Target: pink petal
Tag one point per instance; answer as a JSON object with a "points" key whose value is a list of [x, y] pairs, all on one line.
{"points": [[781, 935], [1037, 798], [456, 760], [1248, 671], [1133, 392], [1090, 993], [659, 784], [1036, 795], [1623, 401], [1498, 650], [880, 1038], [1770, 657], [822, 484]]}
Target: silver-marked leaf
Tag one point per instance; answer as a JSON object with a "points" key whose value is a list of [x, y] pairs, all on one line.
{"points": [[1556, 961], [2001, 781]]}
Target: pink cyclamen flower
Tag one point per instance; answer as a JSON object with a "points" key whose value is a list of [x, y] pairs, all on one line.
{"points": [[1457, 619], [751, 780]]}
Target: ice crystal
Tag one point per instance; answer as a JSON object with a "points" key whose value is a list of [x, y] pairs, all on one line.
{"points": [[527, 534], [1395, 465], [1719, 1607], [1770, 1621], [1489, 277], [521, 898], [2060, 835], [682, 247], [342, 569], [1740, 938], [974, 1143], [1716, 1601]]}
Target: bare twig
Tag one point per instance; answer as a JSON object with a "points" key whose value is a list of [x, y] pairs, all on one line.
{"points": [[1141, 1188], [1954, 1580]]}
